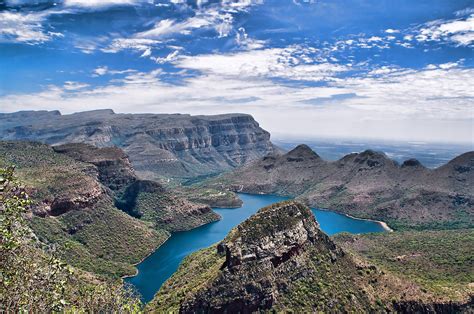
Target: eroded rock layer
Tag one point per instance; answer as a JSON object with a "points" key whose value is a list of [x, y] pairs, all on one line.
{"points": [[158, 145]]}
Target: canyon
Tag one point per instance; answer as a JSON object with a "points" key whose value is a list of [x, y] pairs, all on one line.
{"points": [[160, 146]]}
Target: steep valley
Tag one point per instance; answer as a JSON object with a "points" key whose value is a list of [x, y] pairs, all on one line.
{"points": [[77, 190], [89, 204]]}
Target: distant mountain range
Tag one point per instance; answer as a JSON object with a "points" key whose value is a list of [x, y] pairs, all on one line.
{"points": [[160, 146], [366, 185]]}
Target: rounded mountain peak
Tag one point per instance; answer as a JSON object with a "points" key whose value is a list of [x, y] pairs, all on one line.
{"points": [[302, 151], [412, 163]]}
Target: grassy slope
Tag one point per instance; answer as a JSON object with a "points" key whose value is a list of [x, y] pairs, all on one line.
{"points": [[109, 242], [442, 262], [193, 274], [164, 211], [101, 239]]}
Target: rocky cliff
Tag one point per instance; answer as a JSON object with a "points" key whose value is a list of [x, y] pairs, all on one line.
{"points": [[144, 199], [267, 262], [279, 260], [158, 145], [89, 202], [366, 185]]}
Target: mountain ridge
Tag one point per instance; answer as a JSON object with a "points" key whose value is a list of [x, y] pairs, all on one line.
{"points": [[366, 185], [160, 146]]}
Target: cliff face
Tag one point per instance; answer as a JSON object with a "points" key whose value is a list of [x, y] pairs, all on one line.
{"points": [[158, 145], [144, 199], [367, 185], [88, 199], [114, 170]]}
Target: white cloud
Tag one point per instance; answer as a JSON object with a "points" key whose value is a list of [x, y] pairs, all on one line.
{"points": [[101, 71], [244, 41], [98, 3], [139, 44], [24, 28], [173, 56], [215, 17], [291, 63], [168, 27], [383, 70], [460, 31], [71, 86], [429, 105]]}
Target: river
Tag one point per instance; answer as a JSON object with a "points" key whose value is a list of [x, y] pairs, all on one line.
{"points": [[160, 265]]}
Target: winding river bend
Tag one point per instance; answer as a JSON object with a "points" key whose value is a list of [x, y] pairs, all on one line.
{"points": [[160, 265]]}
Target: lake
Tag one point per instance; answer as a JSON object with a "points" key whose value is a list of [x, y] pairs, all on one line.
{"points": [[160, 265]]}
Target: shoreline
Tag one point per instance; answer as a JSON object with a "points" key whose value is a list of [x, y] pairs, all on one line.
{"points": [[144, 258], [382, 223], [158, 247]]}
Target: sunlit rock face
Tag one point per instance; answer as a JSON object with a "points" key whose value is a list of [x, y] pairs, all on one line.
{"points": [[158, 145]]}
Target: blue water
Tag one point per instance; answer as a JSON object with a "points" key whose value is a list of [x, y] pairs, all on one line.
{"points": [[159, 266]]}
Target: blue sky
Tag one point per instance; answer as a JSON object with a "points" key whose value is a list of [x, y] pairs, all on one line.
{"points": [[379, 69]]}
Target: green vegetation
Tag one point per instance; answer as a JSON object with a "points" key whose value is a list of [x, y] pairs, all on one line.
{"points": [[168, 212], [266, 222], [39, 166], [33, 280], [102, 240], [442, 262], [461, 219], [91, 233], [194, 273], [210, 196]]}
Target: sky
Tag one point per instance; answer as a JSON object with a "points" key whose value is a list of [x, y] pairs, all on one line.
{"points": [[374, 69]]}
